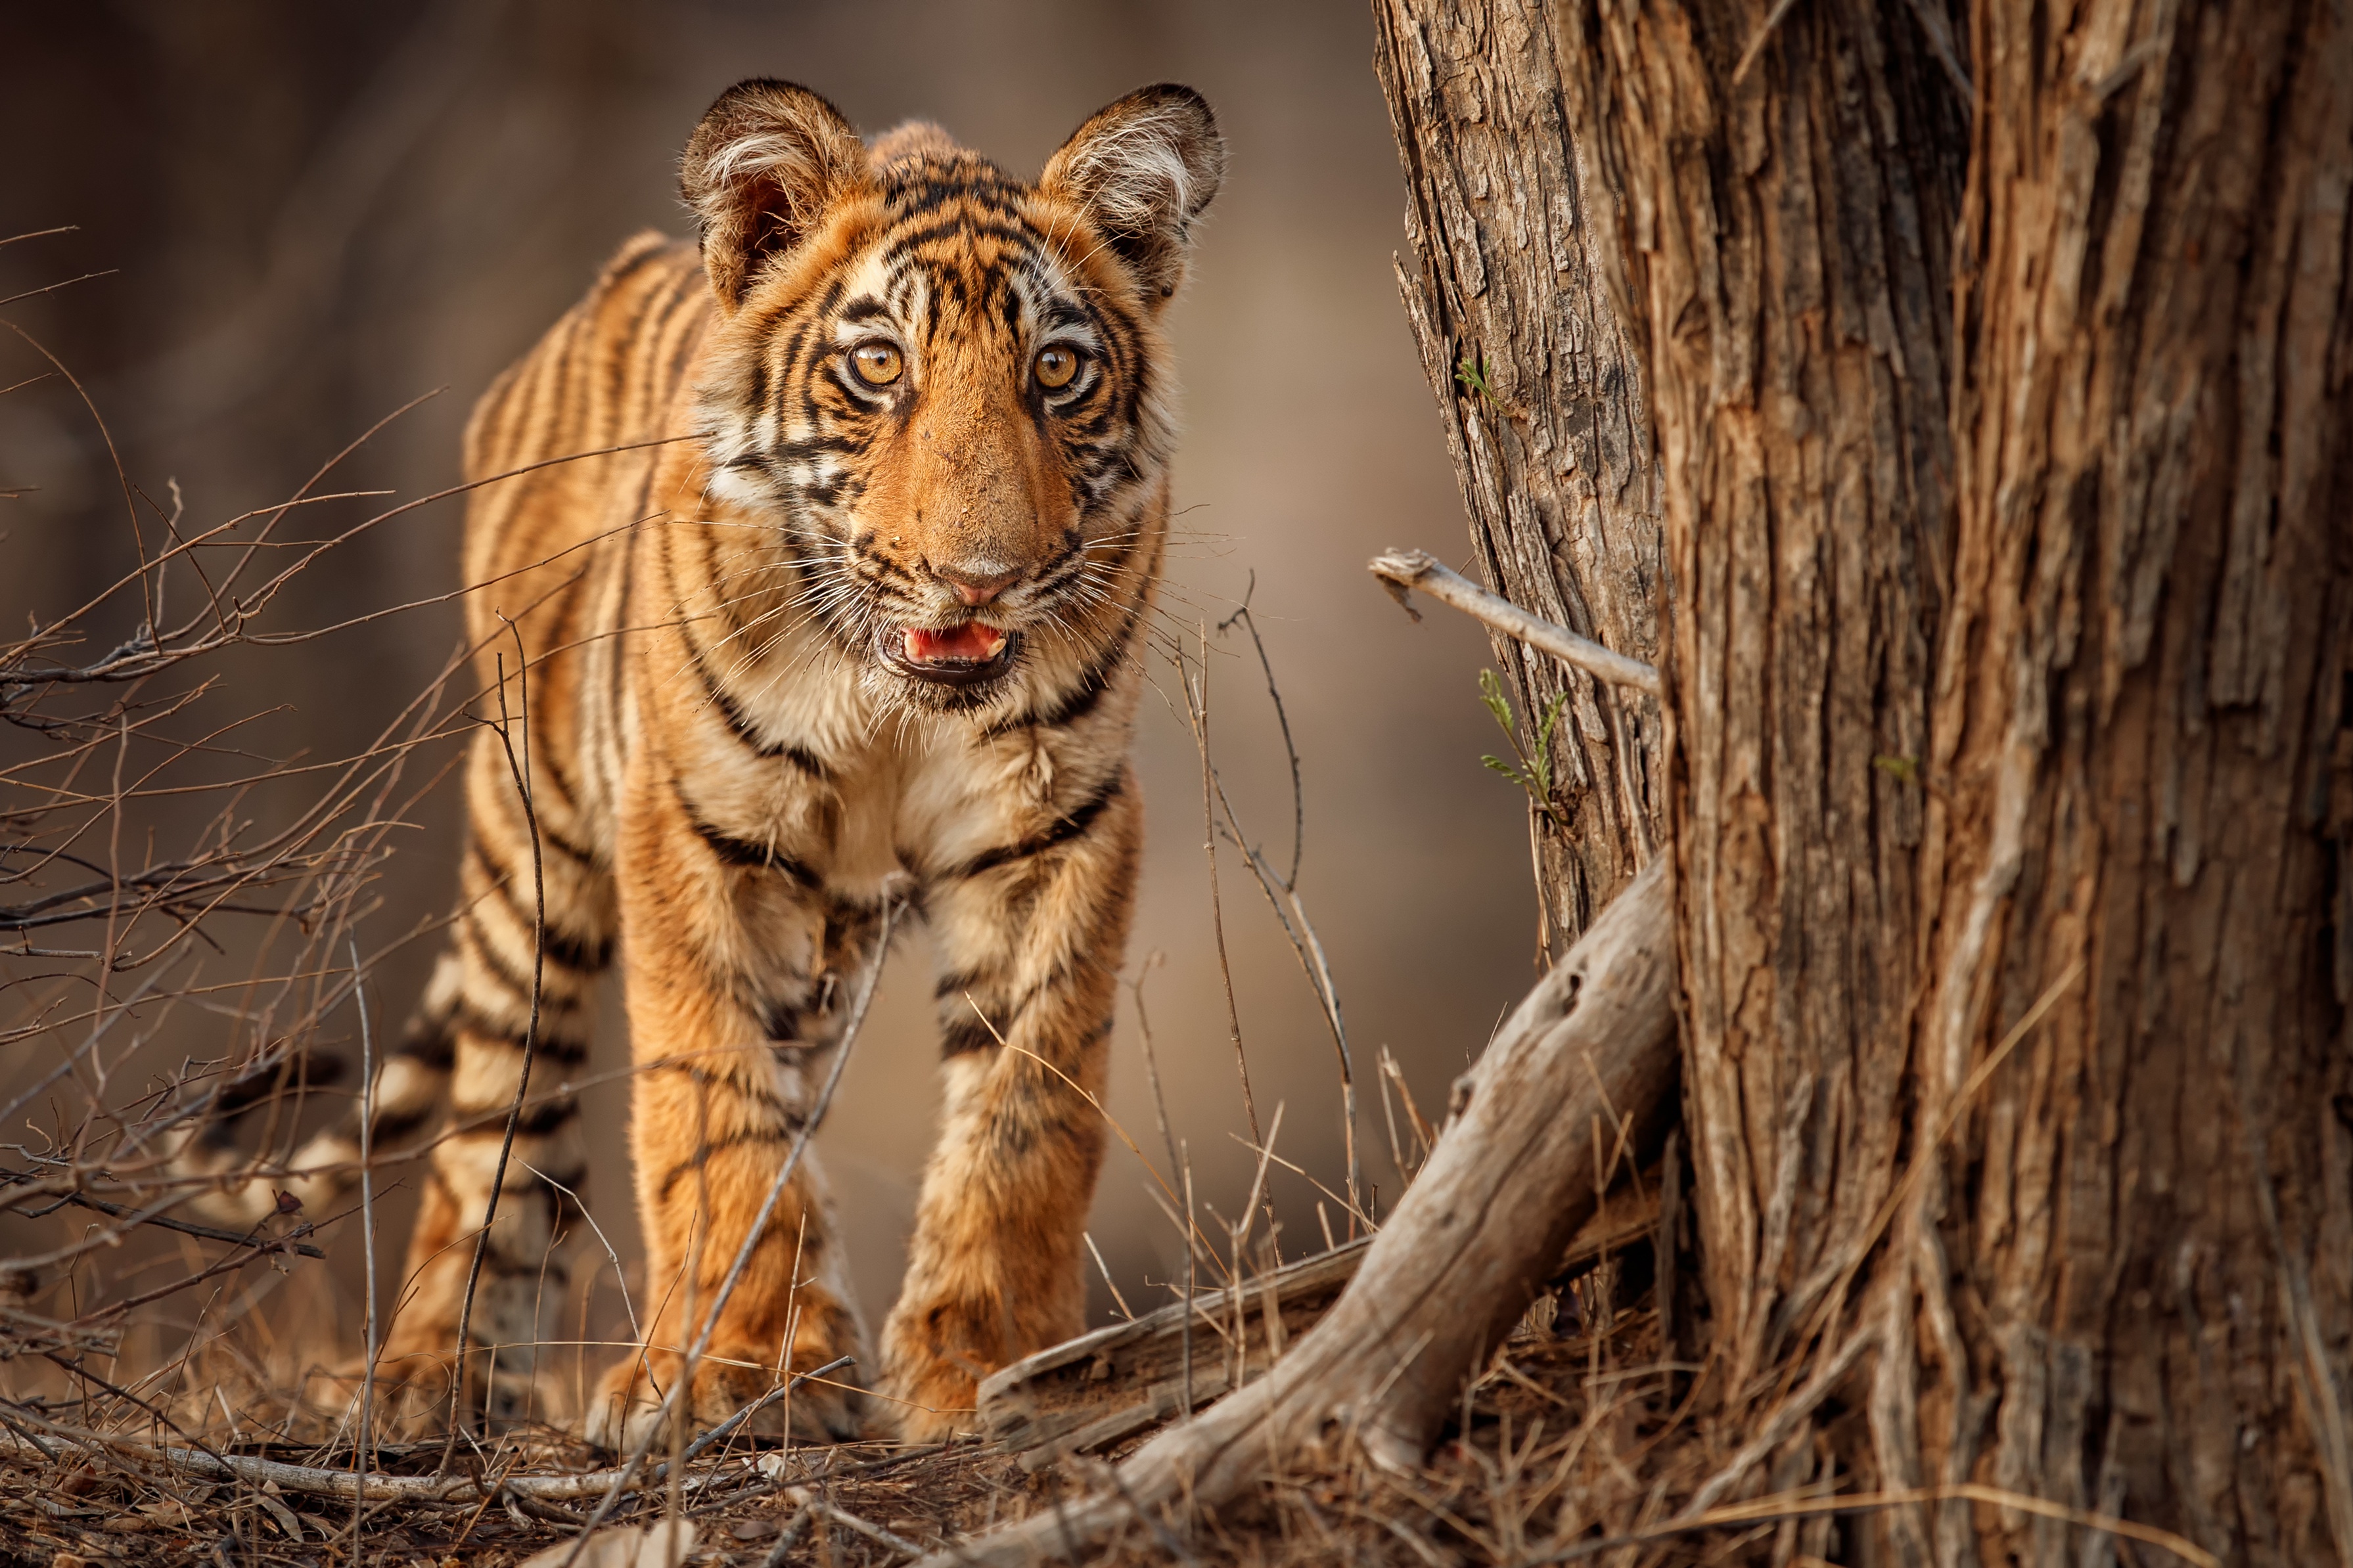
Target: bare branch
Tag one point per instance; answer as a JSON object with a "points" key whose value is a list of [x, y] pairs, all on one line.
{"points": [[1400, 570]]}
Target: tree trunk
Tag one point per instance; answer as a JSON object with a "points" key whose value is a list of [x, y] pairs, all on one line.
{"points": [[1996, 369], [2132, 1269], [1541, 405]]}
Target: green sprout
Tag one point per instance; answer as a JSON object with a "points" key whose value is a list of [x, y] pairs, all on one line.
{"points": [[1905, 769], [1532, 772], [1473, 373]]}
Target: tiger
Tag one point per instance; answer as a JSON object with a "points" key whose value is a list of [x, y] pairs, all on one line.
{"points": [[813, 561]]}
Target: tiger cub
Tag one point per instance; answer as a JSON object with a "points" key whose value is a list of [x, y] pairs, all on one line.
{"points": [[842, 611]]}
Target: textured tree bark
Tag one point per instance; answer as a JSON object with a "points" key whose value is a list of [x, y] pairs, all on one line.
{"points": [[2007, 456], [2131, 1278], [1782, 253], [1541, 405]]}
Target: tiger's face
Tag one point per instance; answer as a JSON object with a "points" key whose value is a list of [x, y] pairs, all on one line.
{"points": [[941, 384]]}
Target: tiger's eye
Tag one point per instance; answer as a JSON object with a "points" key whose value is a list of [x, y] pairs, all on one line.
{"points": [[878, 364], [1055, 366]]}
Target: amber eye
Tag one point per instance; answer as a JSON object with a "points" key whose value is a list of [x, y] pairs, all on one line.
{"points": [[878, 364], [1055, 366]]}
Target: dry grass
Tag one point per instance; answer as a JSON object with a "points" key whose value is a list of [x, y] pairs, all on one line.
{"points": [[1552, 1428]]}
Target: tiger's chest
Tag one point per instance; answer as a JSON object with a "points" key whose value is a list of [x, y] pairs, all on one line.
{"points": [[857, 809]]}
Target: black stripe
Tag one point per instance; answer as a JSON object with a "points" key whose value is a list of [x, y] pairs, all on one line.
{"points": [[1064, 829], [517, 985], [751, 856], [579, 953], [701, 1156], [705, 1080], [430, 1043], [623, 270], [959, 1029], [1093, 682], [626, 343], [547, 1116], [964, 1036], [564, 847], [588, 955], [573, 1176], [800, 757], [565, 1052], [391, 1124], [536, 1120]]}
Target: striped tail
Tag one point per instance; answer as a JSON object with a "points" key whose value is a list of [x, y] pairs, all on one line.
{"points": [[409, 1090]]}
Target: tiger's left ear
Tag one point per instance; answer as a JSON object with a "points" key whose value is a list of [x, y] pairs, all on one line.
{"points": [[1142, 169], [760, 170]]}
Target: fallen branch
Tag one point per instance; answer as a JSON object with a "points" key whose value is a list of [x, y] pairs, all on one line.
{"points": [[1511, 1181], [1400, 570], [1103, 1388], [313, 1481], [1789, 1506]]}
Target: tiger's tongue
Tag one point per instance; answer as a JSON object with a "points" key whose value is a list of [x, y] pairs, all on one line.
{"points": [[970, 643]]}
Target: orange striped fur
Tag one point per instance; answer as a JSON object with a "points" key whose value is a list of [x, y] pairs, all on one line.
{"points": [[848, 636]]}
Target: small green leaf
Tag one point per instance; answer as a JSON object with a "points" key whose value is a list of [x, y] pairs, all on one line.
{"points": [[1907, 769], [1472, 373], [1490, 692], [1544, 743]]}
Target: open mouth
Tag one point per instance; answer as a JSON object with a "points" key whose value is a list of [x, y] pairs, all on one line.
{"points": [[963, 654]]}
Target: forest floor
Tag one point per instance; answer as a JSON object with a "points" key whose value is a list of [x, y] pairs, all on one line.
{"points": [[1560, 1421]]}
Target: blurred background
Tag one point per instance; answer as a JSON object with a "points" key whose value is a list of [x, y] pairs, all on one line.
{"points": [[315, 214]]}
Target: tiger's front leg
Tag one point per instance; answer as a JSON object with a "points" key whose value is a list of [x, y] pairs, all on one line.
{"points": [[1031, 940], [738, 971]]}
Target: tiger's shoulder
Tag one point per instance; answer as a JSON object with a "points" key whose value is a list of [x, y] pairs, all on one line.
{"points": [[571, 428], [611, 367]]}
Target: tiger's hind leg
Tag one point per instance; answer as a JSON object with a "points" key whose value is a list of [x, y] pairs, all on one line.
{"points": [[480, 1020]]}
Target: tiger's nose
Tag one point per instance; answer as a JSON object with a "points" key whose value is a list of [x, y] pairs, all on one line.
{"points": [[975, 588]]}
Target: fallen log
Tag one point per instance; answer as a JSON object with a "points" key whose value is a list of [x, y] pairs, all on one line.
{"points": [[1091, 1394], [1589, 1055]]}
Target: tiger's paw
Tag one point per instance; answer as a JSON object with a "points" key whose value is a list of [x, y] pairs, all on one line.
{"points": [[628, 1402], [932, 1394], [940, 1344]]}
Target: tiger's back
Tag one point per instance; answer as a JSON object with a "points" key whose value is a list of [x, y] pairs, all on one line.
{"points": [[564, 449]]}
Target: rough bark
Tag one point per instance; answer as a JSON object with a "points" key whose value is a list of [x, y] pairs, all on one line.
{"points": [[1782, 254], [2132, 1279], [1542, 406], [2004, 448], [1486, 1222]]}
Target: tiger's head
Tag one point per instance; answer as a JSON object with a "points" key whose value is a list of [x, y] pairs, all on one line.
{"points": [[947, 387]]}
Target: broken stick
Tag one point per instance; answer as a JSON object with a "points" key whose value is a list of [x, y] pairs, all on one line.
{"points": [[1400, 570]]}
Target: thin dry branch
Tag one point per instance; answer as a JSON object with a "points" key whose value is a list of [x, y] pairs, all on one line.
{"points": [[1400, 570]]}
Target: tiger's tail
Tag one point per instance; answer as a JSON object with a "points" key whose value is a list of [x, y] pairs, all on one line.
{"points": [[410, 1087]]}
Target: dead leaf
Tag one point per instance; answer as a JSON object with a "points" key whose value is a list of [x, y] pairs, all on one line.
{"points": [[623, 1546]]}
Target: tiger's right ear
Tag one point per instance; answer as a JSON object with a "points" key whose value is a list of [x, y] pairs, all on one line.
{"points": [[760, 170]]}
